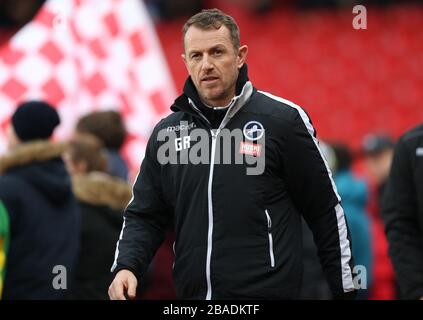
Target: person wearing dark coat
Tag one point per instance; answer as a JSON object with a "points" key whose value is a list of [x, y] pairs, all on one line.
{"points": [[109, 127], [102, 199], [402, 213], [35, 189]]}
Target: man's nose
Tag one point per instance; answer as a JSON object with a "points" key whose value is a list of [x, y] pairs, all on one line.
{"points": [[207, 63]]}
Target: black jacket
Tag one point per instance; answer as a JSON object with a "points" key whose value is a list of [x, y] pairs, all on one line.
{"points": [[314, 285], [237, 235], [44, 220], [402, 213], [101, 199]]}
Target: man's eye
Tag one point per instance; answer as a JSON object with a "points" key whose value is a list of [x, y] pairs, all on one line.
{"points": [[195, 56], [217, 52]]}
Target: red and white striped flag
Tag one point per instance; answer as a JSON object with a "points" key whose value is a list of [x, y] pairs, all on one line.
{"points": [[89, 55]]}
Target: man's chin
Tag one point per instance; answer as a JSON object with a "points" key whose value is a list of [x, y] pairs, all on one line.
{"points": [[211, 96]]}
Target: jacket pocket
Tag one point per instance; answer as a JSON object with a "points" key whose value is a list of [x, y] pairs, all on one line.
{"points": [[269, 234]]}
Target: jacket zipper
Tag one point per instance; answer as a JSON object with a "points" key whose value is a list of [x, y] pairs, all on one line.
{"points": [[209, 193], [210, 205], [269, 233]]}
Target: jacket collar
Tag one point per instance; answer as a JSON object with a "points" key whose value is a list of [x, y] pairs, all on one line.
{"points": [[190, 101], [39, 163], [30, 152], [101, 189]]}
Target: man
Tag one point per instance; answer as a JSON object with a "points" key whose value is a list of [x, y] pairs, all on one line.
{"points": [[402, 212], [238, 232], [35, 189]]}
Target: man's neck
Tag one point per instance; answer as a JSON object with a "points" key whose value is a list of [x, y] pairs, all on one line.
{"points": [[219, 107]]}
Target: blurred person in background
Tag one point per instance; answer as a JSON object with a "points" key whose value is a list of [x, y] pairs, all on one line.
{"points": [[101, 199], [109, 127], [14, 14], [17, 13], [378, 152], [170, 9], [354, 194], [4, 243], [402, 211], [35, 188]]}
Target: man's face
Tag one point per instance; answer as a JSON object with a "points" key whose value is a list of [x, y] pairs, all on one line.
{"points": [[213, 63], [379, 165]]}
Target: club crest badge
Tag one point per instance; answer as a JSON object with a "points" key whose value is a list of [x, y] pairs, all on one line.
{"points": [[253, 130]]}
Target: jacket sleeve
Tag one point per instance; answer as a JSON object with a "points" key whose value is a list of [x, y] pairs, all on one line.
{"points": [[399, 213], [313, 191], [145, 219]]}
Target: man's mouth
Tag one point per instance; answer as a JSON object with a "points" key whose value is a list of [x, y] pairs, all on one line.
{"points": [[209, 79]]}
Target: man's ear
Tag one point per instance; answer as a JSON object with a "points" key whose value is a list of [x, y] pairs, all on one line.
{"points": [[242, 55], [184, 58]]}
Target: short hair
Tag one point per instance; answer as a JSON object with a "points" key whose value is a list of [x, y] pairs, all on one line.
{"points": [[89, 149], [213, 18], [107, 126]]}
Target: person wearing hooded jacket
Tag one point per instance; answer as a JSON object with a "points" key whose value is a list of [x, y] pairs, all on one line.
{"points": [[402, 213], [101, 199], [35, 189], [238, 231]]}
